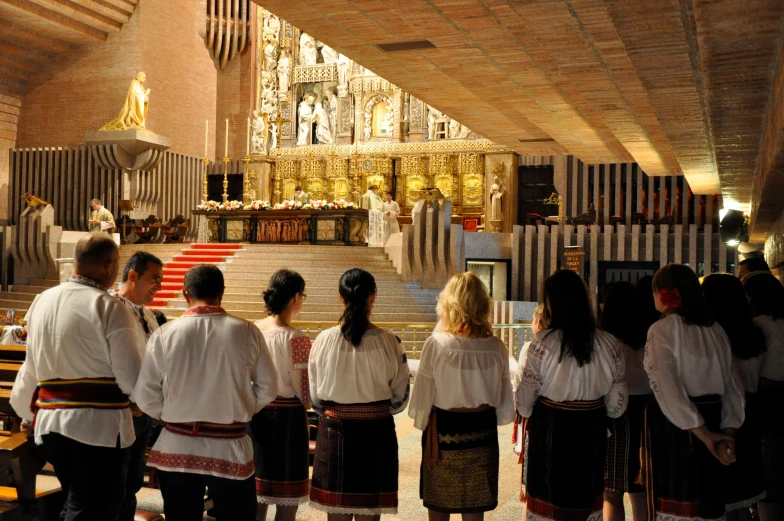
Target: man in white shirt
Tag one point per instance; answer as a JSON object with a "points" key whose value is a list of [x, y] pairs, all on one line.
{"points": [[218, 374], [84, 350], [141, 280]]}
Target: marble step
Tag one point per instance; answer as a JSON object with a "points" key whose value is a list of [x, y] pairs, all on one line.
{"points": [[333, 307], [32, 289], [46, 283], [294, 260], [7, 303], [308, 316], [234, 291], [330, 297], [262, 276], [18, 296]]}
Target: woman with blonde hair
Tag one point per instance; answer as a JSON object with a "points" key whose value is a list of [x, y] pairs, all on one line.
{"points": [[461, 394]]}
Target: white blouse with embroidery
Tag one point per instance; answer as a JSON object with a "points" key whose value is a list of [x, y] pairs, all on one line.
{"points": [[373, 371], [636, 377], [773, 357], [459, 372], [545, 373], [748, 372], [683, 361], [290, 350]]}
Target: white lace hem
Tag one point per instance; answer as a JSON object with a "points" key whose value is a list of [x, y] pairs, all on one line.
{"points": [[671, 517], [746, 502], [282, 501], [356, 511]]}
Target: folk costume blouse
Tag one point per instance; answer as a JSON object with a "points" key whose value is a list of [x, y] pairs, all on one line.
{"points": [[773, 357], [373, 371], [685, 360], [289, 349], [561, 379], [459, 372], [207, 366], [636, 377]]}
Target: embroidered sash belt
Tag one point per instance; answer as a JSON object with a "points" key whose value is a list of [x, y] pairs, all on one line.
{"points": [[588, 405], [230, 431], [94, 393], [285, 403], [431, 453], [359, 411]]}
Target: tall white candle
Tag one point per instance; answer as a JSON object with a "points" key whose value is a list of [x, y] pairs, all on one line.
{"points": [[206, 137], [247, 141], [226, 147]]}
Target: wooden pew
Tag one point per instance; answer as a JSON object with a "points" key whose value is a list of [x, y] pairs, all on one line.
{"points": [[20, 463]]}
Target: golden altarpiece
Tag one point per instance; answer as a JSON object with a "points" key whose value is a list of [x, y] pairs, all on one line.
{"points": [[329, 125]]}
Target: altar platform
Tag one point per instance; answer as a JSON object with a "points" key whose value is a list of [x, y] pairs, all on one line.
{"points": [[346, 227]]}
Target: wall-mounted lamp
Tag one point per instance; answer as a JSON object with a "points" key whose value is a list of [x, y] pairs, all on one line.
{"points": [[733, 227]]}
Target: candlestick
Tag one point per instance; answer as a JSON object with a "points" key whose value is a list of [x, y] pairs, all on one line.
{"points": [[247, 140], [226, 161], [206, 137], [246, 182], [226, 147], [204, 194]]}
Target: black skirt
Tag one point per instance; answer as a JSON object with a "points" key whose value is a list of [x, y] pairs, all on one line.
{"points": [[683, 478], [465, 478], [744, 482], [280, 442], [563, 471], [355, 469], [622, 466], [770, 397]]}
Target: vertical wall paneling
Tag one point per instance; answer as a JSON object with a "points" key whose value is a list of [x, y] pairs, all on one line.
{"points": [[574, 177], [651, 210], [618, 174], [597, 188], [707, 248], [628, 195], [693, 246], [606, 201], [584, 173]]}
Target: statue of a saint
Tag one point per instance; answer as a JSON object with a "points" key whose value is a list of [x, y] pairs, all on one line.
{"points": [[432, 117], [331, 105], [258, 129], [388, 124], [273, 135], [344, 73], [320, 116], [454, 129], [270, 55], [308, 53], [329, 54], [134, 112], [497, 191], [305, 120], [284, 71]]}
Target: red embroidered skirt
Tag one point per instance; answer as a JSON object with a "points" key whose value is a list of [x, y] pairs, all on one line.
{"points": [[464, 479], [280, 446], [355, 469], [563, 469], [622, 465], [682, 477]]}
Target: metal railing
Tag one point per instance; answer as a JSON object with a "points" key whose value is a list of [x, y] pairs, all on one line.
{"points": [[413, 336]]}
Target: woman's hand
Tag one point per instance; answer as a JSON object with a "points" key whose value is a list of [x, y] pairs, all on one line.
{"points": [[722, 446]]}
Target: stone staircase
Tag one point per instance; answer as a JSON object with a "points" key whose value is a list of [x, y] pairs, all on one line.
{"points": [[19, 297]]}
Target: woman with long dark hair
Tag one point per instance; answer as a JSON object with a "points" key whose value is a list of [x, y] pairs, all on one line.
{"points": [[689, 364], [462, 393], [744, 484], [766, 299], [280, 430], [572, 379], [358, 379], [620, 317]]}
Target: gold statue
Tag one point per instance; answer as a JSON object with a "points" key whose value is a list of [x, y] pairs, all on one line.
{"points": [[134, 112]]}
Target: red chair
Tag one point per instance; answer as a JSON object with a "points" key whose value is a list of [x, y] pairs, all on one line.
{"points": [[535, 219], [470, 224]]}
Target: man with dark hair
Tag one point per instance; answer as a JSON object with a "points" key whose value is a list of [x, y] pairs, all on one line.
{"points": [[752, 264], [218, 374], [84, 350], [101, 219], [300, 196], [141, 280]]}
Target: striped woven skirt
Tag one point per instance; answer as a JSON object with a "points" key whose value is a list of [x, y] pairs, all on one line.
{"points": [[355, 469], [683, 479], [280, 443], [623, 447], [459, 471], [563, 463]]}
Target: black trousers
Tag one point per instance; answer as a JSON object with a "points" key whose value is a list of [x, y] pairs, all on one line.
{"points": [[92, 478], [183, 497], [134, 480]]}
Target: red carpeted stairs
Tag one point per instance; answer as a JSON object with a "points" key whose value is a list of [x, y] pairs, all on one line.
{"points": [[175, 269]]}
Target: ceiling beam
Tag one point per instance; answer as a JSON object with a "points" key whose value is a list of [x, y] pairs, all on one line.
{"points": [[24, 36], [78, 32], [86, 12]]}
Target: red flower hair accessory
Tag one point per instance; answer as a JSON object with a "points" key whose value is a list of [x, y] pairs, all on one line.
{"points": [[670, 298]]}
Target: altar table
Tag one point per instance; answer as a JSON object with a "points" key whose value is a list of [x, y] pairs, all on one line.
{"points": [[347, 227]]}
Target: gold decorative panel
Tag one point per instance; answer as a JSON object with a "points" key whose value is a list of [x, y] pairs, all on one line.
{"points": [[442, 168], [315, 73], [341, 188], [288, 188], [473, 190]]}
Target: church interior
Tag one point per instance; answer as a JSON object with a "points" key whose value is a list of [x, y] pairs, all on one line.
{"points": [[516, 138]]}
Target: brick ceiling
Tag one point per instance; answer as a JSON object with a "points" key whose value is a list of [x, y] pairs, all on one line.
{"points": [[678, 86], [34, 32]]}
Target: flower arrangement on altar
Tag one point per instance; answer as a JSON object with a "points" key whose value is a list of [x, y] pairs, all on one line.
{"points": [[231, 206], [209, 206], [288, 205], [258, 205]]}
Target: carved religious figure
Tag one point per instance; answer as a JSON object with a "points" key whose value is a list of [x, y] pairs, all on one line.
{"points": [[284, 71], [273, 135], [497, 191], [344, 74], [454, 129], [323, 133], [329, 54], [270, 55], [331, 106], [305, 120], [433, 116], [388, 123], [308, 53], [134, 111], [258, 129]]}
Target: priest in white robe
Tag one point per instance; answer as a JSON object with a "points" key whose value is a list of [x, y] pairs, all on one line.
{"points": [[391, 210], [218, 373], [370, 200]]}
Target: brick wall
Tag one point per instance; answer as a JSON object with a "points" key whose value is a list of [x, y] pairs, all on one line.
{"points": [[234, 102], [87, 88], [10, 107]]}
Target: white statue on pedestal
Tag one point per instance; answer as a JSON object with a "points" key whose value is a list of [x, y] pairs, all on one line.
{"points": [[258, 129], [432, 117], [497, 191], [273, 135], [270, 55], [344, 74], [331, 105], [305, 120], [454, 129], [388, 125], [329, 54], [284, 71], [308, 53], [320, 116]]}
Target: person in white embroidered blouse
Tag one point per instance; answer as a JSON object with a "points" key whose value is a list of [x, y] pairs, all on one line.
{"points": [[689, 364], [461, 394], [766, 299], [358, 378], [537, 324], [572, 379], [205, 375], [727, 301], [83, 346], [391, 210], [280, 430], [620, 314]]}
